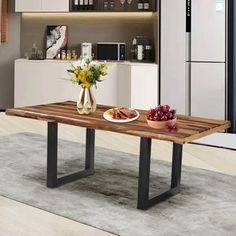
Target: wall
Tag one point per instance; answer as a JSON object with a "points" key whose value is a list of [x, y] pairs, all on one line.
{"points": [[9, 51], [85, 27]]}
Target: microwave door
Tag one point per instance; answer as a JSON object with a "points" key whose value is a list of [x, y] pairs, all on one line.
{"points": [[107, 52]]}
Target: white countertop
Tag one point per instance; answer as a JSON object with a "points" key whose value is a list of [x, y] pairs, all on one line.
{"points": [[66, 61]]}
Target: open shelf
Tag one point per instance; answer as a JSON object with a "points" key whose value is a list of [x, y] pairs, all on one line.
{"points": [[113, 6]]}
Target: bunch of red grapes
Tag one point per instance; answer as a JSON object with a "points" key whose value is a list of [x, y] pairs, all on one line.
{"points": [[161, 113]]}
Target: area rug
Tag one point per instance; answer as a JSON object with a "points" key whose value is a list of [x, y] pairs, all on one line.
{"points": [[107, 200]]}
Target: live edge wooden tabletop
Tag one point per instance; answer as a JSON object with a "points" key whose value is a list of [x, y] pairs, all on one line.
{"points": [[190, 128]]}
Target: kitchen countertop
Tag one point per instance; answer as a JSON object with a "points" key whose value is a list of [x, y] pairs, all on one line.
{"points": [[67, 61]]}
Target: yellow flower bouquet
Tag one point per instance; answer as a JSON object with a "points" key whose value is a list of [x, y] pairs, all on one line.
{"points": [[87, 73]]}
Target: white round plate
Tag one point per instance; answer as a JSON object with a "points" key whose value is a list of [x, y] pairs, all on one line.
{"points": [[107, 117]]}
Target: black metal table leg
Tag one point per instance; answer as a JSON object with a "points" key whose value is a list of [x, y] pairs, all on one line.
{"points": [[144, 200], [176, 165], [52, 178], [144, 172], [90, 146], [52, 155]]}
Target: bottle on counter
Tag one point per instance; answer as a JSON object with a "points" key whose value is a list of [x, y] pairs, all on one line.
{"points": [[112, 4], [86, 5], [68, 55], [74, 55], [39, 55], [63, 55], [140, 5], [146, 5], [75, 5], [105, 4], [81, 5], [33, 55], [91, 5], [58, 56]]}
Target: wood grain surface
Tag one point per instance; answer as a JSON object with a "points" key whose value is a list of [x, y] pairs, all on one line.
{"points": [[190, 128]]}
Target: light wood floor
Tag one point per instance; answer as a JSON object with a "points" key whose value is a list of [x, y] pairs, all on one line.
{"points": [[18, 219], [12, 222]]}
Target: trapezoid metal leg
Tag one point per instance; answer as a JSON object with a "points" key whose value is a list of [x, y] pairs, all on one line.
{"points": [[52, 147]]}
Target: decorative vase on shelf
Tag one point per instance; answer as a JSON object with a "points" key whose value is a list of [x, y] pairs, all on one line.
{"points": [[86, 103]]}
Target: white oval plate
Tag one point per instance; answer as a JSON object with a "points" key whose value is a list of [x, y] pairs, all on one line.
{"points": [[107, 117]]}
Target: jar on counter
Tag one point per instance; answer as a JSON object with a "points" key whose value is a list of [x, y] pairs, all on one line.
{"points": [[74, 55], [68, 55], [58, 56], [63, 55]]}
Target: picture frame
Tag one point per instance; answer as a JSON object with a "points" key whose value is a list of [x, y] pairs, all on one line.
{"points": [[56, 40]]}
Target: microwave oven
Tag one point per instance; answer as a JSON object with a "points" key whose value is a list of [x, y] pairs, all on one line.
{"points": [[111, 51]]}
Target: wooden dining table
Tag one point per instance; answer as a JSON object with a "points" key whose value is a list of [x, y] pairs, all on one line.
{"points": [[189, 129]]}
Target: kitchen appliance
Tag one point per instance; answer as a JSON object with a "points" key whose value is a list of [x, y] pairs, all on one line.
{"points": [[111, 51], [206, 58], [86, 50], [142, 49]]}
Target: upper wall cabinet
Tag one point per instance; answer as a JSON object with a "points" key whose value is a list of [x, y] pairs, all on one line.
{"points": [[42, 6], [55, 5]]}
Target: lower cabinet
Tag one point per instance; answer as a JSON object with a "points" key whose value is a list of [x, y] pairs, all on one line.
{"points": [[138, 85], [41, 82], [127, 84]]}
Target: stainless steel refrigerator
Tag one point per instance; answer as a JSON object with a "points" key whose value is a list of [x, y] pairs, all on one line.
{"points": [[206, 57]]}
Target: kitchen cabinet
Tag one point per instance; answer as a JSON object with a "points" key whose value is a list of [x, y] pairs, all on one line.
{"points": [[126, 84], [106, 92], [55, 6], [42, 6], [138, 85], [41, 82], [28, 5]]}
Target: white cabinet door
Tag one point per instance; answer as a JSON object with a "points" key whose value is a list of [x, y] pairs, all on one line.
{"points": [[208, 90], [55, 5], [40, 83], [28, 5], [144, 86], [106, 92], [124, 85]]}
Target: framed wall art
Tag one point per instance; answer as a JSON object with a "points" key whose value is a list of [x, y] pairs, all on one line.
{"points": [[57, 40]]}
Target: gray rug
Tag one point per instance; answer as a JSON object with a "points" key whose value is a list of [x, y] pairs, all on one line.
{"points": [[107, 200]]}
